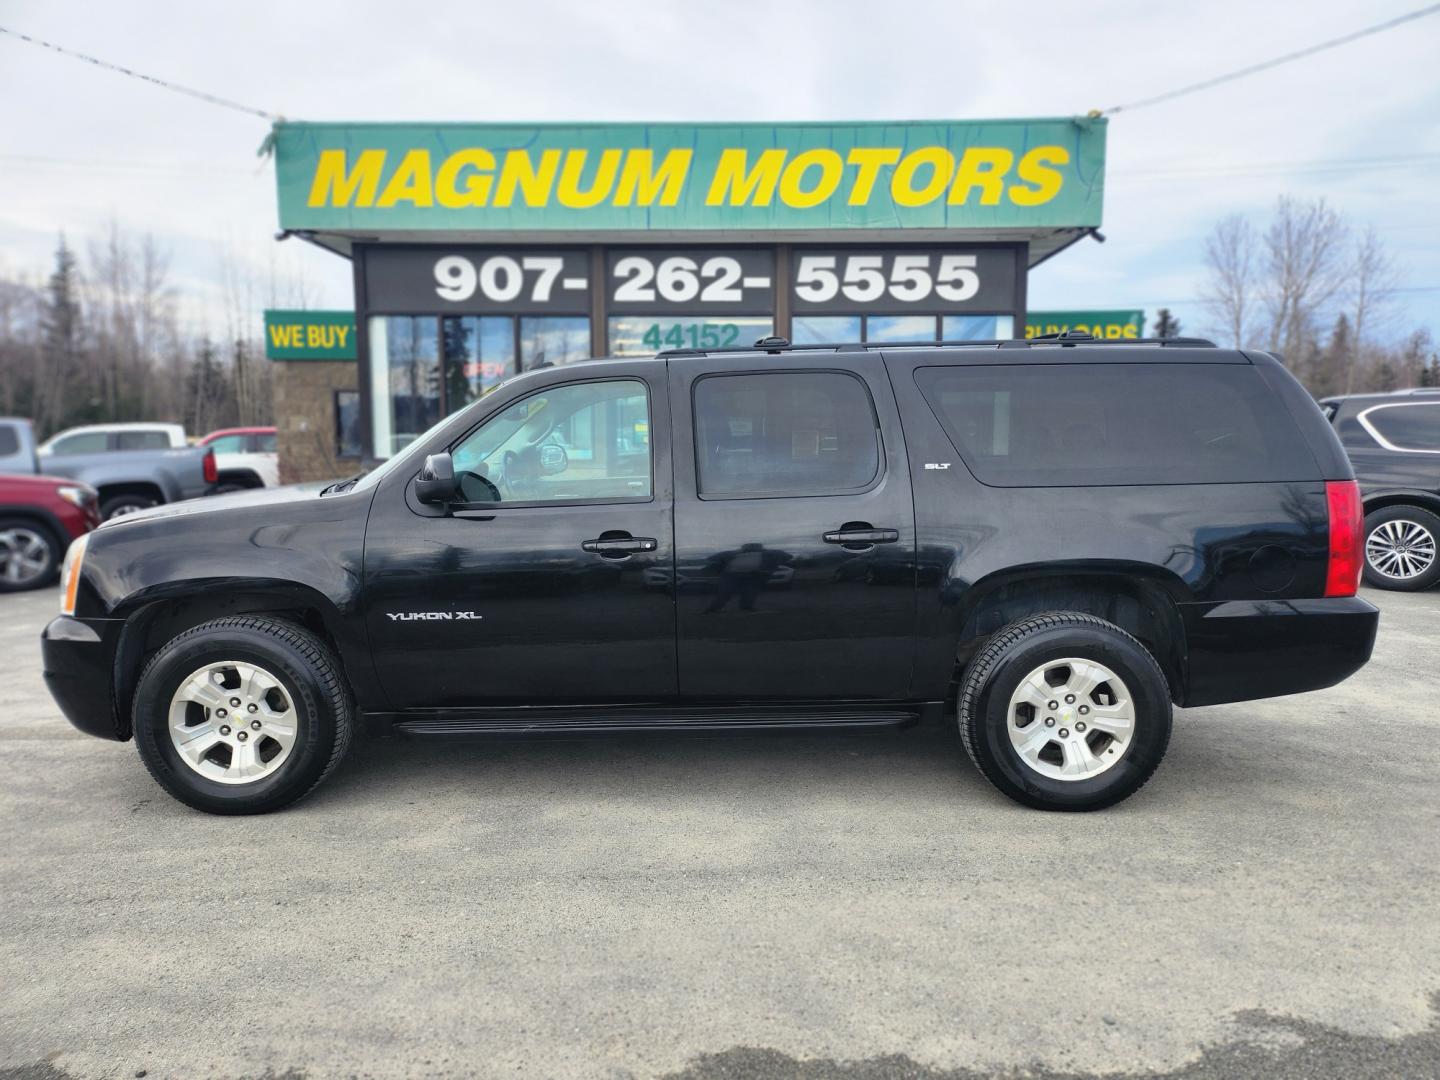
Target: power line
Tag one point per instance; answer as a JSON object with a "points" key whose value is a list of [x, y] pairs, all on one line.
{"points": [[201, 95], [1266, 65]]}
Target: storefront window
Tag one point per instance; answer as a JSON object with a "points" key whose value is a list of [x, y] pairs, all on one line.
{"points": [[978, 327], [405, 373], [645, 335], [479, 353], [347, 423], [900, 327], [825, 329], [553, 340]]}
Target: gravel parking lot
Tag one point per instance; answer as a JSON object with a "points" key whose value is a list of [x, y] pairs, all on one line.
{"points": [[801, 906]]}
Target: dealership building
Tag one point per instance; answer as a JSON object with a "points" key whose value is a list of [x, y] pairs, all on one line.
{"points": [[483, 250]]}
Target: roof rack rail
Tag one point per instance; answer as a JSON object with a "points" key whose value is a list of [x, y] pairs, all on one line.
{"points": [[1069, 339]]}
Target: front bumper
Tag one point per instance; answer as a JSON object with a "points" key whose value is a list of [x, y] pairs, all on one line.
{"points": [[79, 664], [1245, 649]]}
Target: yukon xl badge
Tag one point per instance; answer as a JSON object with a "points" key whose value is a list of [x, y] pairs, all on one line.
{"points": [[417, 616]]}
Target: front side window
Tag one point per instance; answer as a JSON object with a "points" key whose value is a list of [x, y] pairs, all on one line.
{"points": [[579, 442], [784, 433], [1411, 427], [228, 444]]}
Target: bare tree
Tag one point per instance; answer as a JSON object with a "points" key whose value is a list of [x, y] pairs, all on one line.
{"points": [[1373, 280], [1230, 293], [1304, 267]]}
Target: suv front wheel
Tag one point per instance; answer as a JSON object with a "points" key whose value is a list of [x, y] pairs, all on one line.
{"points": [[242, 715], [1401, 547], [1065, 711]]}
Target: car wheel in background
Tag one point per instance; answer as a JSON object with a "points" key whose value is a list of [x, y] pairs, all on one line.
{"points": [[120, 505], [1065, 711], [29, 555], [1402, 548], [242, 715]]}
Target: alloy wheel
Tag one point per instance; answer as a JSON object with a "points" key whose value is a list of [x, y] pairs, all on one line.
{"points": [[1400, 549], [24, 555], [1071, 719], [232, 722]]}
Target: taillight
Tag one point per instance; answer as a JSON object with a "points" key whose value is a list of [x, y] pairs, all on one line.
{"points": [[212, 473], [1347, 526]]}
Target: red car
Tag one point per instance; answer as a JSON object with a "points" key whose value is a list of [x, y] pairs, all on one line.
{"points": [[39, 517]]}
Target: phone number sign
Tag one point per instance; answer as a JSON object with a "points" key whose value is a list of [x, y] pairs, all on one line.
{"points": [[901, 280]]}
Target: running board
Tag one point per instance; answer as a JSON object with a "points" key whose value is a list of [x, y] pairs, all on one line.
{"points": [[601, 720]]}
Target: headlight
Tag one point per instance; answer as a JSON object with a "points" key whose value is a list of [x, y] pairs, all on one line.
{"points": [[70, 575], [79, 494]]}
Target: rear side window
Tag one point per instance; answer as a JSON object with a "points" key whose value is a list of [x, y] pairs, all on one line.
{"points": [[785, 433], [266, 443], [9, 442], [1414, 427], [1052, 425], [141, 440], [228, 444]]}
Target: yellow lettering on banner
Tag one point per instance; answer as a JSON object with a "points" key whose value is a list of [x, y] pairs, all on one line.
{"points": [[284, 337], [983, 167], [1130, 331], [869, 160], [902, 183], [792, 181], [334, 186], [520, 173], [477, 183], [312, 336], [342, 332], [569, 193], [739, 186], [641, 183], [411, 182], [1036, 170]]}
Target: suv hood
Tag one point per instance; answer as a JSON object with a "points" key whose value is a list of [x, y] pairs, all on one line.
{"points": [[258, 499]]}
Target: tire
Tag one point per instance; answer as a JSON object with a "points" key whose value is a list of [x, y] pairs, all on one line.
{"points": [[30, 555], [1405, 541], [119, 505], [316, 709], [1038, 644]]}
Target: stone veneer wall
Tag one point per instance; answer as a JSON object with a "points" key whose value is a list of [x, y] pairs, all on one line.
{"points": [[305, 418]]}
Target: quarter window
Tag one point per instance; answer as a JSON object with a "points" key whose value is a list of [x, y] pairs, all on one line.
{"points": [[1080, 425], [142, 440], [580, 442], [785, 433], [1412, 427], [87, 442]]}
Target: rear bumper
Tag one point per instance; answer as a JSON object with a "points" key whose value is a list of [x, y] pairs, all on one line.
{"points": [[79, 663], [1246, 649]]}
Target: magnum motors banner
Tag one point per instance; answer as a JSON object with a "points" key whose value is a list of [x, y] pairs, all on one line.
{"points": [[990, 174]]}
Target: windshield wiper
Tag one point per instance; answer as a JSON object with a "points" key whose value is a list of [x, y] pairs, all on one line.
{"points": [[342, 485]]}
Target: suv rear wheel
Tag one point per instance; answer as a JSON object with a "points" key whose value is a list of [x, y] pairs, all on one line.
{"points": [[1401, 544], [1065, 711], [242, 715]]}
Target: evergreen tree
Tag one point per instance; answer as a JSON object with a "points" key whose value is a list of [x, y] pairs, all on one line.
{"points": [[1166, 325], [60, 324]]}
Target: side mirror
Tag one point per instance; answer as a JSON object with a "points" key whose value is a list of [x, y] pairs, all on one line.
{"points": [[436, 482]]}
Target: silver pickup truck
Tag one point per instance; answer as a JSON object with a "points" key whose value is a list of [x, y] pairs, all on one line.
{"points": [[132, 466]]}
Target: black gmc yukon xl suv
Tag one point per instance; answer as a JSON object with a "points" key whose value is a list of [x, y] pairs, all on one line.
{"points": [[1051, 541]]}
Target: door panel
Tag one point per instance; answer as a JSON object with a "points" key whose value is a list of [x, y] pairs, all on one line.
{"points": [[783, 595], [557, 602]]}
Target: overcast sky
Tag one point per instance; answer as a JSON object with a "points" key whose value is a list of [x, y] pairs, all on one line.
{"points": [[1359, 125]]}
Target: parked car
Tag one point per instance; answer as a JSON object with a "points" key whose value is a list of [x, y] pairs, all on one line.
{"points": [[39, 517], [1049, 542], [132, 466], [1394, 444], [246, 457]]}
